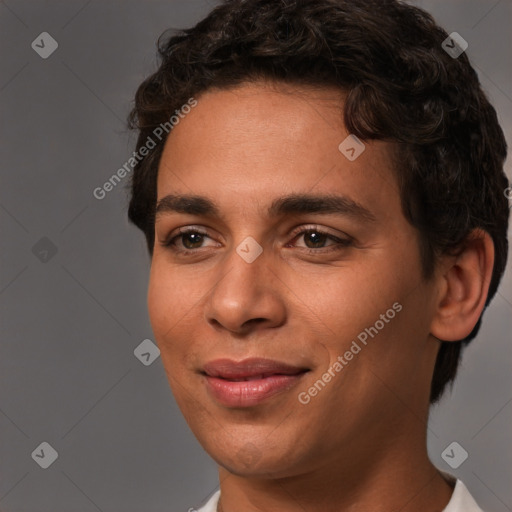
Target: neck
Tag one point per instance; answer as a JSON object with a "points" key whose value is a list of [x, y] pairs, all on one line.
{"points": [[398, 477]]}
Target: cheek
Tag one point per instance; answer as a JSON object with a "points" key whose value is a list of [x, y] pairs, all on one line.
{"points": [[354, 298], [166, 305], [159, 300], [351, 304], [167, 315], [173, 314]]}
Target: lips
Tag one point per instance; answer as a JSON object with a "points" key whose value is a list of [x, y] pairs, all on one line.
{"points": [[249, 368], [249, 382]]}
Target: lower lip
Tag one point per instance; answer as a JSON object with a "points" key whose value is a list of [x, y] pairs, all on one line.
{"points": [[248, 393]]}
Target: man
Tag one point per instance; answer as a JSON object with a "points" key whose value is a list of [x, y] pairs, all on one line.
{"points": [[325, 212]]}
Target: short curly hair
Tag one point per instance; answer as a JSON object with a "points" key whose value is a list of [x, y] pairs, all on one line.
{"points": [[400, 85]]}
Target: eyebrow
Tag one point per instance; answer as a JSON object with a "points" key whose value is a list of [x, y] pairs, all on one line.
{"points": [[286, 205]]}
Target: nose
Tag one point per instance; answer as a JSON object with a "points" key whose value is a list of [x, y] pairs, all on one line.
{"points": [[247, 295]]}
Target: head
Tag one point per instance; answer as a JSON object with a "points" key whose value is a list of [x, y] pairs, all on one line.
{"points": [[274, 88]]}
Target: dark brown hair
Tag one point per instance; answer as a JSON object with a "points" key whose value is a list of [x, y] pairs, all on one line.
{"points": [[400, 85]]}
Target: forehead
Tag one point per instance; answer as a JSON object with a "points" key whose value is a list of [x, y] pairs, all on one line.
{"points": [[253, 142], [259, 119]]}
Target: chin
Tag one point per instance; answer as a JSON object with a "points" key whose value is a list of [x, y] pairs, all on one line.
{"points": [[262, 469], [254, 460]]}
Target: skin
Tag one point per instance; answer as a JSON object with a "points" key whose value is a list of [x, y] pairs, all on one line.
{"points": [[359, 444]]}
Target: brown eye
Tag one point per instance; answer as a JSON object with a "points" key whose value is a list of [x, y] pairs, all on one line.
{"points": [[191, 240], [315, 238], [187, 240]]}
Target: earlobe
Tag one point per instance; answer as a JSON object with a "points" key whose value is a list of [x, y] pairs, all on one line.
{"points": [[463, 288]]}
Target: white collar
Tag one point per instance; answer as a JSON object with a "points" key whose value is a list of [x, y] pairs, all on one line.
{"points": [[461, 501]]}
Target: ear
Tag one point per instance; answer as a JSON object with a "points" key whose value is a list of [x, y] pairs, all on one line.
{"points": [[463, 287]]}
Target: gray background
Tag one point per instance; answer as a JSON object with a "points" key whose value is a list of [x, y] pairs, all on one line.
{"points": [[70, 324]]}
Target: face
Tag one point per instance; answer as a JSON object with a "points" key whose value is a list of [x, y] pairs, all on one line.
{"points": [[287, 301]]}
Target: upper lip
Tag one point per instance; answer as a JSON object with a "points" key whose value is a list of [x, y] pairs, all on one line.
{"points": [[229, 369]]}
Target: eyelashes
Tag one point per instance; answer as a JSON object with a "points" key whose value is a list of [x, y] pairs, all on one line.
{"points": [[339, 243], [196, 236]]}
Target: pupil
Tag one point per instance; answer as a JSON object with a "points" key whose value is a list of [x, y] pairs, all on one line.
{"points": [[189, 236], [315, 238]]}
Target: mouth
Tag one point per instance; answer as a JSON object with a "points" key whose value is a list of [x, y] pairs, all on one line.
{"points": [[249, 382], [252, 377]]}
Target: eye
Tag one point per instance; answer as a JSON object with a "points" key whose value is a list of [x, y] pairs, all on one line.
{"points": [[191, 238], [186, 240], [315, 239]]}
